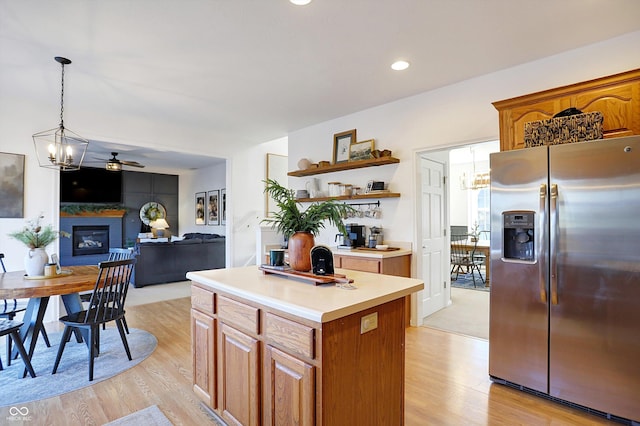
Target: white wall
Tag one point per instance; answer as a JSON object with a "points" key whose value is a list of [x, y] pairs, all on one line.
{"points": [[246, 199], [201, 180], [450, 116]]}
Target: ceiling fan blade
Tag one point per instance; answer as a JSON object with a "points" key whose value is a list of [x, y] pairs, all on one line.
{"points": [[131, 163]]}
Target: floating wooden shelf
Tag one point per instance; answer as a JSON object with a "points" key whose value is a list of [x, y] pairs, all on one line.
{"points": [[350, 165], [374, 195]]}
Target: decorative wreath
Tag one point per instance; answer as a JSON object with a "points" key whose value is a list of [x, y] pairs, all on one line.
{"points": [[152, 211]]}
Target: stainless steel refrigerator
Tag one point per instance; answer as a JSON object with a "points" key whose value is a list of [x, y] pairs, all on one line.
{"points": [[565, 273]]}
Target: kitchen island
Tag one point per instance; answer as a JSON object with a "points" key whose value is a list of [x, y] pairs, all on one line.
{"points": [[274, 350]]}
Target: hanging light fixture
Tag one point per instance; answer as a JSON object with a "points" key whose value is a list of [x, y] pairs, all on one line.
{"points": [[59, 148], [476, 180]]}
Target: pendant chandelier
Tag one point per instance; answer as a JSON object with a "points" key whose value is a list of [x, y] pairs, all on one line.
{"points": [[59, 148]]}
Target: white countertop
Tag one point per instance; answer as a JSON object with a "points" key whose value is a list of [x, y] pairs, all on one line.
{"points": [[319, 303], [371, 253]]}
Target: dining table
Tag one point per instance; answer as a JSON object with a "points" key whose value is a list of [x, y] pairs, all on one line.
{"points": [[68, 284]]}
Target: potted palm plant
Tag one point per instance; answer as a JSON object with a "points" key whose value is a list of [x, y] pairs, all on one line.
{"points": [[300, 225]]}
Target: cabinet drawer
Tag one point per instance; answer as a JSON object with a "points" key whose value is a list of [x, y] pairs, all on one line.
{"points": [[289, 334], [361, 264], [240, 315], [202, 300]]}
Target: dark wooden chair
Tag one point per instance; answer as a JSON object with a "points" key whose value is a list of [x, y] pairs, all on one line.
{"points": [[114, 254], [8, 310], [465, 260], [12, 330], [105, 305]]}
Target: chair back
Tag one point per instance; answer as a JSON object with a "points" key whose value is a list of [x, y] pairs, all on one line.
{"points": [[120, 254], [110, 291], [460, 254], [9, 307]]}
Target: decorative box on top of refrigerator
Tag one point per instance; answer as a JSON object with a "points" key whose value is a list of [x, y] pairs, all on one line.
{"points": [[574, 128]]}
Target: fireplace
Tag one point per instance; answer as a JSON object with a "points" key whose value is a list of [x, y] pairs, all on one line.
{"points": [[92, 239]]}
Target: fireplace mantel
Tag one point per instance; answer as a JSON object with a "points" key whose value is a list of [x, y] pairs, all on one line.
{"points": [[101, 213]]}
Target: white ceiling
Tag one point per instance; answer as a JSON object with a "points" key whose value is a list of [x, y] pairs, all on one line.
{"points": [[153, 77]]}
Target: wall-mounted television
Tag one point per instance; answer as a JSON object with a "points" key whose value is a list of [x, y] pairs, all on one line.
{"points": [[91, 185]]}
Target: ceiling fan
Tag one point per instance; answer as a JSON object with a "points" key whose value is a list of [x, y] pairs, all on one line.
{"points": [[114, 164]]}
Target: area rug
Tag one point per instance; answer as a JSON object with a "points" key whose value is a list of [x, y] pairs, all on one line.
{"points": [[466, 281], [150, 416], [73, 371]]}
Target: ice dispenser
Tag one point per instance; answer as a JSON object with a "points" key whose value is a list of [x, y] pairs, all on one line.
{"points": [[518, 231]]}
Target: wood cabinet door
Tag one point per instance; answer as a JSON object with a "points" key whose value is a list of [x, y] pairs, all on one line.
{"points": [[289, 389], [204, 359], [618, 105], [239, 364], [514, 119]]}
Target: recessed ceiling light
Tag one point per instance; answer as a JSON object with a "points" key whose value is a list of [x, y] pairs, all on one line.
{"points": [[300, 2], [400, 65]]}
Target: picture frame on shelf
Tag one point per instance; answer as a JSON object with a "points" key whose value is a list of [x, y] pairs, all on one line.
{"points": [[213, 207], [341, 143], [361, 150], [200, 208], [223, 205]]}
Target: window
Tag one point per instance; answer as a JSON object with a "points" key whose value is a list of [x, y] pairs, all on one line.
{"points": [[479, 211]]}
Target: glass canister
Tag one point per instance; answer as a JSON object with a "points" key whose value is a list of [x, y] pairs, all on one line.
{"points": [[346, 189], [334, 189]]}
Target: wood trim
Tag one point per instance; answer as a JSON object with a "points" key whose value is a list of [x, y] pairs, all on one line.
{"points": [[103, 213], [572, 89], [345, 166], [367, 196]]}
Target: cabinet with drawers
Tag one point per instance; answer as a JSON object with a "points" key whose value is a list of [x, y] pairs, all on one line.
{"points": [[251, 351], [398, 264], [268, 360]]}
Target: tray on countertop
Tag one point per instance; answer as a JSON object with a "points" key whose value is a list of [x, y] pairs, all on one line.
{"points": [[305, 276], [376, 250]]}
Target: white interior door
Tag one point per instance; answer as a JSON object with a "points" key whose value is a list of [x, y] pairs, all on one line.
{"points": [[434, 258]]}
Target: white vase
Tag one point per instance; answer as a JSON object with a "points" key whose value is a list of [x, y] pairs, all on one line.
{"points": [[35, 260]]}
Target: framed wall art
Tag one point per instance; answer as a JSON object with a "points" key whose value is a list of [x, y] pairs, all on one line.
{"points": [[361, 150], [341, 143], [223, 205], [213, 207], [11, 185], [200, 208]]}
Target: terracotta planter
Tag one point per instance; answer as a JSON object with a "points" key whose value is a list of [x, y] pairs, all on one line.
{"points": [[300, 245]]}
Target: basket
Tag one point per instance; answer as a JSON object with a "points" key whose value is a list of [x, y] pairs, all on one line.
{"points": [[555, 131]]}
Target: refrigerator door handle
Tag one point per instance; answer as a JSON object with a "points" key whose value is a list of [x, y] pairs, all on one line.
{"points": [[541, 263], [554, 238]]}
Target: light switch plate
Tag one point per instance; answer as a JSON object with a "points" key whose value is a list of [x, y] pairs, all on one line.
{"points": [[368, 322]]}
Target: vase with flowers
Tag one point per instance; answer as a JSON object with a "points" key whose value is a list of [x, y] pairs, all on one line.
{"points": [[37, 237]]}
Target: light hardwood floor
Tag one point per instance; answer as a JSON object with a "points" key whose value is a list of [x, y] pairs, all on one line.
{"points": [[446, 383]]}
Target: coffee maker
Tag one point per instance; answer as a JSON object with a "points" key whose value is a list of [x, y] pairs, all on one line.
{"points": [[355, 236], [375, 237]]}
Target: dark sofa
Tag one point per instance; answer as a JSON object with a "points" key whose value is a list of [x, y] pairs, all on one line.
{"points": [[168, 262]]}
